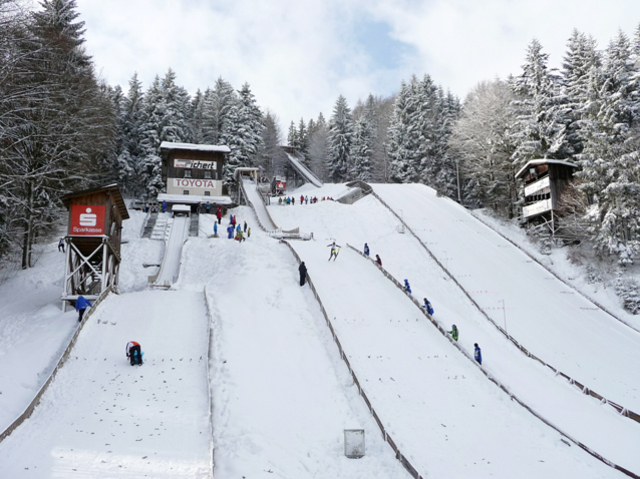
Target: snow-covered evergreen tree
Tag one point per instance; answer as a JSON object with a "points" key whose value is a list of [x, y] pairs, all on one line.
{"points": [[271, 155], [610, 160], [243, 134], [404, 136], [318, 147], [129, 174], [362, 147], [339, 141], [217, 108], [540, 127]]}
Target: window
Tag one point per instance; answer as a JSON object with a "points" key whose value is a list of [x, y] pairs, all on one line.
{"points": [[187, 173], [207, 193], [207, 174], [185, 192]]}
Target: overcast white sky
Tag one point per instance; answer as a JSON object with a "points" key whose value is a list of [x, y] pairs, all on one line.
{"points": [[298, 56]]}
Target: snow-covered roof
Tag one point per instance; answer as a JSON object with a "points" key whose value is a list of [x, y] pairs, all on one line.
{"points": [[181, 208], [195, 199], [543, 162], [168, 145]]}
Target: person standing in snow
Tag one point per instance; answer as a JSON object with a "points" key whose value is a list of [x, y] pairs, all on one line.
{"points": [[427, 306], [245, 227], [61, 245], [81, 306], [335, 249], [477, 353], [454, 332], [366, 249], [230, 231], [302, 199], [134, 353], [407, 288], [219, 214], [215, 229], [303, 273], [378, 260]]}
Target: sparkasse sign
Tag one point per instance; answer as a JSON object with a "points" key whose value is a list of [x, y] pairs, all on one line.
{"points": [[87, 220]]}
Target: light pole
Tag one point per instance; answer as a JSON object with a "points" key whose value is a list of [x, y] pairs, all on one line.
{"points": [[458, 178]]}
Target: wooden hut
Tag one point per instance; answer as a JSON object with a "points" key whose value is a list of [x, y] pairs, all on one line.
{"points": [[93, 242], [544, 181]]}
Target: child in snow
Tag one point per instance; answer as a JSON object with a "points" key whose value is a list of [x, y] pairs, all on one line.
{"points": [[407, 288], [215, 229], [454, 332], [366, 249], [477, 353], [81, 306], [134, 353], [335, 249]]}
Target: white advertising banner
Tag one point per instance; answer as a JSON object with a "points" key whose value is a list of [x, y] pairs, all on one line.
{"points": [[536, 208], [195, 164], [195, 186], [534, 188]]}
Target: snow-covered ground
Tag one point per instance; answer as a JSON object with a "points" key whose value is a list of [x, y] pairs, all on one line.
{"points": [[281, 394]]}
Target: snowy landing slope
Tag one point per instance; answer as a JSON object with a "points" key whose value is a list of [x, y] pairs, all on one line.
{"points": [[103, 418], [369, 221], [281, 394], [434, 401], [542, 313]]}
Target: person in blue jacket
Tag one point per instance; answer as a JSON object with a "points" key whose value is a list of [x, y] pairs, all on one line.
{"points": [[81, 306], [477, 353], [366, 249], [230, 231], [215, 229], [407, 288], [427, 306]]}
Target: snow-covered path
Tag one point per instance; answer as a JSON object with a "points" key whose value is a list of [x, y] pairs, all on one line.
{"points": [[103, 418], [542, 313]]}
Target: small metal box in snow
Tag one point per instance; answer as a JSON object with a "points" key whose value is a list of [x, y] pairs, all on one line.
{"points": [[354, 443]]}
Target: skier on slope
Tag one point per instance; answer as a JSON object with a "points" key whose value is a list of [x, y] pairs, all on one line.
{"points": [[335, 249], [407, 288], [378, 260], [134, 353], [454, 332], [303, 273], [366, 249]]}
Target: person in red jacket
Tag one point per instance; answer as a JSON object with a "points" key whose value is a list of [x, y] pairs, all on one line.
{"points": [[219, 214], [378, 260], [134, 353]]}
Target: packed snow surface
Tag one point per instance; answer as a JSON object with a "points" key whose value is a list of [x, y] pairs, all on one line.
{"points": [[282, 395]]}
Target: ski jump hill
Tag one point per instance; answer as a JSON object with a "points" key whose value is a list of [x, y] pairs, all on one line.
{"points": [[303, 171], [249, 374], [170, 266]]}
